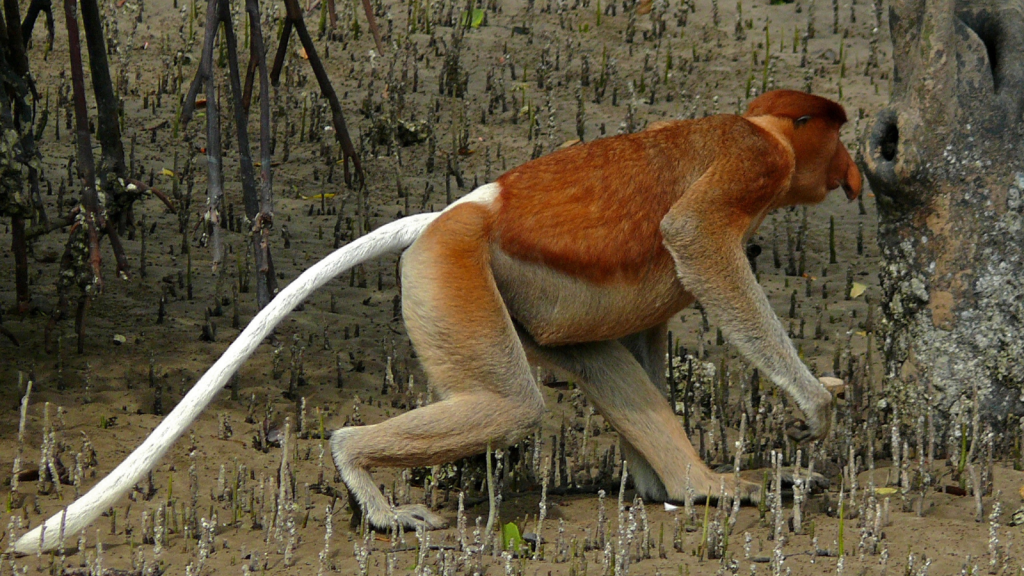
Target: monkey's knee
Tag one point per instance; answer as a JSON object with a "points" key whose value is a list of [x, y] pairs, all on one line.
{"points": [[515, 418]]}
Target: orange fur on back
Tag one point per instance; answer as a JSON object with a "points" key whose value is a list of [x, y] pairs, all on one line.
{"points": [[594, 211]]}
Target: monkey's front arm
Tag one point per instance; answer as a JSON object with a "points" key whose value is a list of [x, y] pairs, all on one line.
{"points": [[704, 232]]}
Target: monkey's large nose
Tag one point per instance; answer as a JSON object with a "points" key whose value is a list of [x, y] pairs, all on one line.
{"points": [[843, 172], [852, 184]]}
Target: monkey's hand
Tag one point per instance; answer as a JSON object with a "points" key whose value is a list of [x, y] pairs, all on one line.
{"points": [[800, 430], [817, 417]]}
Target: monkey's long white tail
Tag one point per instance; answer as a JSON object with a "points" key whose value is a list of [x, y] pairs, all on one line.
{"points": [[388, 238]]}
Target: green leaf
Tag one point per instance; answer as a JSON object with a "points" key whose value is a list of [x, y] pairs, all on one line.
{"points": [[510, 538], [477, 19]]}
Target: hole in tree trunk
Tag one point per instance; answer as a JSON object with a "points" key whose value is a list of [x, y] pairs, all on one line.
{"points": [[986, 26], [888, 144], [883, 147]]}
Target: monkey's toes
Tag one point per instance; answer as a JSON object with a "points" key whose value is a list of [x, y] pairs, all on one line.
{"points": [[749, 492], [416, 516], [812, 483]]}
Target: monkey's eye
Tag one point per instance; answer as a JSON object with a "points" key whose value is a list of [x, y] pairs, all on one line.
{"points": [[801, 121]]}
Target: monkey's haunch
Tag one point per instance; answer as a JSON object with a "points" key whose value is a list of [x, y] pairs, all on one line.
{"points": [[388, 238]]}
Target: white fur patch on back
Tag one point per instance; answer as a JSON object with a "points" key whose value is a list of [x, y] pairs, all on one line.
{"points": [[483, 195]]}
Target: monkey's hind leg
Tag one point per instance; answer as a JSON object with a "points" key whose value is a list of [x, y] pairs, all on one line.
{"points": [[476, 365], [649, 348], [618, 385]]}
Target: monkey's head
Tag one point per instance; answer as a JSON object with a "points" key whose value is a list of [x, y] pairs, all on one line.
{"points": [[822, 161]]}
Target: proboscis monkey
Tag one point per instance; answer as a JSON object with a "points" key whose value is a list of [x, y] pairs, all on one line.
{"points": [[575, 261]]}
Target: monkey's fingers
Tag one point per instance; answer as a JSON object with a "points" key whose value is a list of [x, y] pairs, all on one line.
{"points": [[798, 430], [817, 414]]}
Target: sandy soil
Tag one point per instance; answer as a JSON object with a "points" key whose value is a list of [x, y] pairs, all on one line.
{"points": [[334, 353]]}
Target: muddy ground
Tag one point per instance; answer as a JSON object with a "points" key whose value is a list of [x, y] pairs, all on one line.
{"points": [[335, 354]]}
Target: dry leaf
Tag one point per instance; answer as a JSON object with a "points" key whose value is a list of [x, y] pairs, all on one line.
{"points": [[857, 289], [644, 7], [835, 386]]}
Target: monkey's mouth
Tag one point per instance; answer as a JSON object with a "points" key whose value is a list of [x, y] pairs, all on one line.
{"points": [[848, 189], [850, 192]]}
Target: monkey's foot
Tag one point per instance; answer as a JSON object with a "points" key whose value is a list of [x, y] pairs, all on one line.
{"points": [[747, 491], [416, 516], [409, 517], [813, 482]]}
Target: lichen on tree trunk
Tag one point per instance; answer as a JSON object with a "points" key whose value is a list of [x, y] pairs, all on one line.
{"points": [[946, 161]]}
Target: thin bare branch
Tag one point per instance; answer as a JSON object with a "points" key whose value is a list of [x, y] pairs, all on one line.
{"points": [[372, 21], [143, 188], [32, 14], [293, 18], [108, 130], [263, 219], [215, 173]]}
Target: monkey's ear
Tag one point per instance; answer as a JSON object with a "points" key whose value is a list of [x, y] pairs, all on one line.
{"points": [[801, 121]]}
